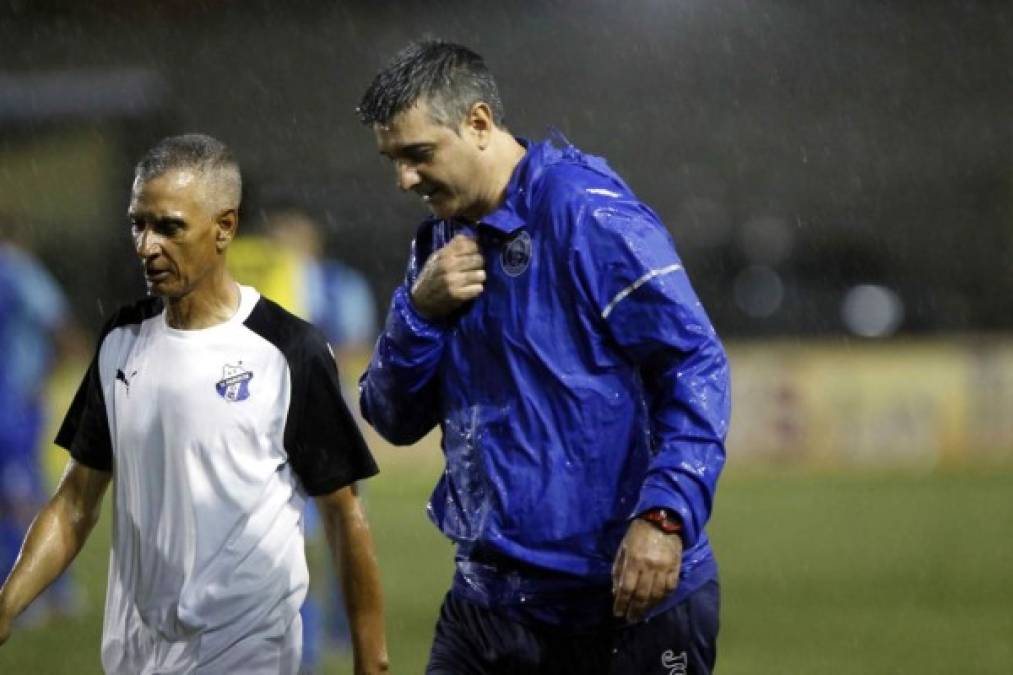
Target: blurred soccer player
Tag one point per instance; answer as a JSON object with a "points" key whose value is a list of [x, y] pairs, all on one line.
{"points": [[36, 332], [214, 413], [548, 326], [335, 298]]}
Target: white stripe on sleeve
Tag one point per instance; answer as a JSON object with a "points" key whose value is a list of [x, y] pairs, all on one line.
{"points": [[637, 284]]}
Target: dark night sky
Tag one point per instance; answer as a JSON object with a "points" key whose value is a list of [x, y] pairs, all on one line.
{"points": [[874, 140]]}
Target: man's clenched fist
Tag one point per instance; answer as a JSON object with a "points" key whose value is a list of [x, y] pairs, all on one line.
{"points": [[645, 571], [451, 277]]}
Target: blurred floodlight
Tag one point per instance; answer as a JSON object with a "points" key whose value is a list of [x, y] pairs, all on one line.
{"points": [[766, 240], [871, 310], [759, 291], [702, 222]]}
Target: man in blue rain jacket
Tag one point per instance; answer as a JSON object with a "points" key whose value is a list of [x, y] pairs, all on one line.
{"points": [[547, 325]]}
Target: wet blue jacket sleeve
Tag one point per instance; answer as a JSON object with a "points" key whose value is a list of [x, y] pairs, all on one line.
{"points": [[644, 300], [396, 392]]}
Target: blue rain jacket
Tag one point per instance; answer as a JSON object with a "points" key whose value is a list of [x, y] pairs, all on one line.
{"points": [[584, 386]]}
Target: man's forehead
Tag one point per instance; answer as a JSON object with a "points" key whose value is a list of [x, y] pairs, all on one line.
{"points": [[174, 184], [410, 126], [173, 180]]}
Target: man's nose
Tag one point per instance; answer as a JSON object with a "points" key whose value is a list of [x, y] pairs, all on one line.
{"points": [[146, 242], [407, 176]]}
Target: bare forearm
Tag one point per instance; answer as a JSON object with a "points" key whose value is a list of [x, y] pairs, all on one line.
{"points": [[352, 549], [54, 539], [360, 582]]}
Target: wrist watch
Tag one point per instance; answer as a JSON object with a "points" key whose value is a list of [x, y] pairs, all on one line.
{"points": [[663, 519]]}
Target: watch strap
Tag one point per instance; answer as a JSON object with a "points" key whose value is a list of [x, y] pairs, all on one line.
{"points": [[663, 519]]}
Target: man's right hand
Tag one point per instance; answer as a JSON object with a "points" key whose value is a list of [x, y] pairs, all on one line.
{"points": [[451, 277]]}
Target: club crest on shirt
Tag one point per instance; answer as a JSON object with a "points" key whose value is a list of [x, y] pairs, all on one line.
{"points": [[235, 382], [516, 255]]}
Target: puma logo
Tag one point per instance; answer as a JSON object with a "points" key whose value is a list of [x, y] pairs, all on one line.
{"points": [[122, 377]]}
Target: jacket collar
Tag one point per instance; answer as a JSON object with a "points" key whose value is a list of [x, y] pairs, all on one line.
{"points": [[512, 213]]}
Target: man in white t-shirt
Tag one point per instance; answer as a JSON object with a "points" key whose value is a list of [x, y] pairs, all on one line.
{"points": [[214, 413]]}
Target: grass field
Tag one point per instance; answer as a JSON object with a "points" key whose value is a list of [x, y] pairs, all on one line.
{"points": [[822, 574]]}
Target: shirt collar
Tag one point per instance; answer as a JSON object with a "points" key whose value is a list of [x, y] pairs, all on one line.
{"points": [[507, 218]]}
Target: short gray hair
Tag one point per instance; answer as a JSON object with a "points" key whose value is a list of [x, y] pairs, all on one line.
{"points": [[199, 152], [449, 77]]}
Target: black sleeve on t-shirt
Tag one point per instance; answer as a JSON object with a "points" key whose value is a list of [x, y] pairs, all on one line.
{"points": [[85, 429], [323, 441]]}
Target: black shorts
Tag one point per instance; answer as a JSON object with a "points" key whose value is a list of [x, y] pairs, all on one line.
{"points": [[473, 640]]}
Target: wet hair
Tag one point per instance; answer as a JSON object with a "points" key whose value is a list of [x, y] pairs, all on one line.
{"points": [[449, 77], [199, 152]]}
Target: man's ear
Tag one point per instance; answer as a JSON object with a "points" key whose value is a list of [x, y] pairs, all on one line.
{"points": [[480, 124], [227, 223]]}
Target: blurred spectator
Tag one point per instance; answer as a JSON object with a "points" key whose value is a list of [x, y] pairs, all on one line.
{"points": [[35, 333], [337, 299]]}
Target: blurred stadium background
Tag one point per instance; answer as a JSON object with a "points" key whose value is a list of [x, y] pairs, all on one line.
{"points": [[839, 180]]}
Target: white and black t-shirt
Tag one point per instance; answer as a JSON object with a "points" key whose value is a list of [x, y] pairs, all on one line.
{"points": [[214, 438]]}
